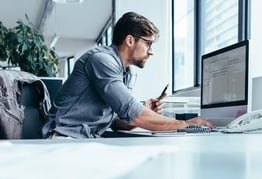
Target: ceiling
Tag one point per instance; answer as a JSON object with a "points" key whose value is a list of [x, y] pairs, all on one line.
{"points": [[75, 26]]}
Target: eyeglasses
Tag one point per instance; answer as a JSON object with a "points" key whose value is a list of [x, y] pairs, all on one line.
{"points": [[148, 42]]}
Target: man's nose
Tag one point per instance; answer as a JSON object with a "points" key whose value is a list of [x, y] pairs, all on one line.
{"points": [[150, 51]]}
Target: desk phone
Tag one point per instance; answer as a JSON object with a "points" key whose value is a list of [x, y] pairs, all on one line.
{"points": [[247, 122]]}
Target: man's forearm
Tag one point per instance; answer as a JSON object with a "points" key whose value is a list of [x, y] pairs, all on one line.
{"points": [[151, 120]]}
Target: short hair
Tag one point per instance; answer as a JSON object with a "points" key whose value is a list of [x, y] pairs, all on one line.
{"points": [[132, 23]]}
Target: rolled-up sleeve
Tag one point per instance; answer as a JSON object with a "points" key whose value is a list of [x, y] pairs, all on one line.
{"points": [[106, 74]]}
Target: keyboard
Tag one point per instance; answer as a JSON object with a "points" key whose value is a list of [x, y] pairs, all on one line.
{"points": [[196, 129]]}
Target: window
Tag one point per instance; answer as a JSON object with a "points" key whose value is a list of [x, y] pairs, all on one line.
{"points": [[183, 44], [200, 27], [219, 26], [105, 37]]}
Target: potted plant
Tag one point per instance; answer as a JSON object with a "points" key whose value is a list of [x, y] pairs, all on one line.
{"points": [[3, 33], [24, 47]]}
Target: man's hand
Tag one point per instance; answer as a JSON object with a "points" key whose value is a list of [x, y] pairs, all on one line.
{"points": [[155, 104], [199, 121]]}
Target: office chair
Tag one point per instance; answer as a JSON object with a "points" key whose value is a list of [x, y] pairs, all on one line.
{"points": [[33, 117]]}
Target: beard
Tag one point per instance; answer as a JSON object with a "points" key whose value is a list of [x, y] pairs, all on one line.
{"points": [[139, 62]]}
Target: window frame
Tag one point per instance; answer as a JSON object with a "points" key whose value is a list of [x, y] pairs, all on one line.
{"points": [[243, 34]]}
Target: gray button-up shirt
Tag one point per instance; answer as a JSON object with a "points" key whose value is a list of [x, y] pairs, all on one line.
{"points": [[96, 92]]}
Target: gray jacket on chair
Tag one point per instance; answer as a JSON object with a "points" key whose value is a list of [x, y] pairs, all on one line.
{"points": [[11, 107]]}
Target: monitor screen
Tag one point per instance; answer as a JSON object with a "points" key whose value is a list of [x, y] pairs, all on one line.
{"points": [[224, 83]]}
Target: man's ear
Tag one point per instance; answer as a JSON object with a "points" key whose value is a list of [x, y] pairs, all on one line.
{"points": [[129, 40]]}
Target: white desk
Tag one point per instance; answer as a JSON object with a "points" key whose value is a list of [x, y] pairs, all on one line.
{"points": [[234, 156]]}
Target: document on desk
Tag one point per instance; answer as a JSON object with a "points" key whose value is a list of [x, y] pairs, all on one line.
{"points": [[139, 130]]}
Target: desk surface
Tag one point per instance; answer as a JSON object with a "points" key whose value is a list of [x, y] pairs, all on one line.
{"points": [[184, 157]]}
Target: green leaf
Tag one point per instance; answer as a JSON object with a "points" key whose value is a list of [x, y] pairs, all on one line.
{"points": [[22, 45]]}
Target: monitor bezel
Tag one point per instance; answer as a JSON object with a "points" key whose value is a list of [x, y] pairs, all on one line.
{"points": [[217, 52]]}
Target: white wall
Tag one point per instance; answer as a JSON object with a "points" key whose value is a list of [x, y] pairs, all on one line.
{"points": [[255, 55], [255, 39], [157, 72]]}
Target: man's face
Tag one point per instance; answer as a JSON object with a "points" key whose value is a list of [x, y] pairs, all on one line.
{"points": [[141, 51]]}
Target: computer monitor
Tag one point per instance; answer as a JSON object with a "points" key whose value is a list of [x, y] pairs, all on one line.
{"points": [[224, 83]]}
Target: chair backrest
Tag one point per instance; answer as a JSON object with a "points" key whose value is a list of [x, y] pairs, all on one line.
{"points": [[33, 122]]}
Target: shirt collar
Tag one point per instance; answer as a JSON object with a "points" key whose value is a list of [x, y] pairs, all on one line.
{"points": [[125, 70]]}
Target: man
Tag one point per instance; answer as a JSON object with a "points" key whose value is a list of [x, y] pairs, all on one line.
{"points": [[97, 92]]}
